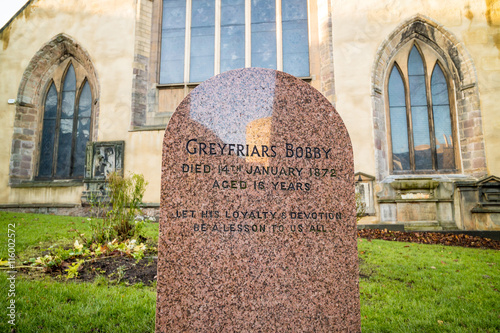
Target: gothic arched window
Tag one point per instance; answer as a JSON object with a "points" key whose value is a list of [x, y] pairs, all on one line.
{"points": [[421, 131], [66, 125]]}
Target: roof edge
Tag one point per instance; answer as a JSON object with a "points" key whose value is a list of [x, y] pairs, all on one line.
{"points": [[15, 15]]}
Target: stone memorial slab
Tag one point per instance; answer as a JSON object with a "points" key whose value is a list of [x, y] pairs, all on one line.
{"points": [[258, 227]]}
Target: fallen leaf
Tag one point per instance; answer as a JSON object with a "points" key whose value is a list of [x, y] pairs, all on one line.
{"points": [[430, 238]]}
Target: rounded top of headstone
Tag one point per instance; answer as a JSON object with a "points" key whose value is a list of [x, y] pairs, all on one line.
{"points": [[227, 104]]}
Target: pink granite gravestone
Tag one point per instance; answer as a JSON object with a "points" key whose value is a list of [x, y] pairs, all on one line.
{"points": [[258, 227]]}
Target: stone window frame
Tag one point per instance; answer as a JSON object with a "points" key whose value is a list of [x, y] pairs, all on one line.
{"points": [[28, 120], [58, 80], [153, 104], [458, 62], [430, 59]]}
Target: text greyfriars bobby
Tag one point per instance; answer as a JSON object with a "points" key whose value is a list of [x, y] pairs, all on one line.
{"points": [[195, 147]]}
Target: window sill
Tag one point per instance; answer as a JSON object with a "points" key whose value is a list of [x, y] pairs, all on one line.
{"points": [[148, 128], [49, 183], [38, 205], [439, 177], [195, 84], [413, 200]]}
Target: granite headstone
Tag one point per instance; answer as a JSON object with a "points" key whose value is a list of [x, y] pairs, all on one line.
{"points": [[258, 227]]}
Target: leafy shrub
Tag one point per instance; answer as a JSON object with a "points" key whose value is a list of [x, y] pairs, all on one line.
{"points": [[73, 269], [126, 198], [119, 216], [100, 226]]}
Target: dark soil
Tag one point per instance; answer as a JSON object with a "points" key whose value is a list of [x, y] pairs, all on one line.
{"points": [[430, 238], [120, 269]]}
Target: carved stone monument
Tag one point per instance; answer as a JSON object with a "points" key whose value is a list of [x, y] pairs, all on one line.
{"points": [[258, 228], [102, 159]]}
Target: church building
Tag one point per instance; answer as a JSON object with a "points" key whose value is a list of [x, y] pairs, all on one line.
{"points": [[88, 88]]}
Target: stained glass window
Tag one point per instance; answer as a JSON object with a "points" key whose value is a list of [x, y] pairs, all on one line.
{"points": [[399, 122], [66, 129], [419, 113], [420, 118], [442, 120], [48, 133]]}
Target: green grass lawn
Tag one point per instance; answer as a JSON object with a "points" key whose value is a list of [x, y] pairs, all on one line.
{"points": [[404, 287], [37, 231], [49, 306]]}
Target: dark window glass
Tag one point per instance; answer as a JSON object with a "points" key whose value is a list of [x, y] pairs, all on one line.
{"points": [[442, 120], [173, 41], [399, 122], [48, 133], [232, 43], [66, 129], [295, 37], [66, 125], [64, 148], [419, 112], [202, 40], [83, 130], [264, 34]]}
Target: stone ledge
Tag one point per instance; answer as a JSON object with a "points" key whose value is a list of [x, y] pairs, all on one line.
{"points": [[412, 200], [48, 183], [41, 205], [486, 210], [415, 184], [148, 128]]}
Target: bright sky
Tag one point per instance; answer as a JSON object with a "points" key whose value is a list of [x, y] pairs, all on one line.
{"points": [[8, 8]]}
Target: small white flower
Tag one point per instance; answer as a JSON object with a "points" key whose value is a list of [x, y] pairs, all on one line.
{"points": [[78, 246]]}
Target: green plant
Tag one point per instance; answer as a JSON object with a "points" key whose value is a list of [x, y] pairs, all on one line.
{"points": [[101, 228], [128, 247], [120, 274], [47, 262], [99, 204], [126, 198], [73, 269], [57, 255], [100, 280]]}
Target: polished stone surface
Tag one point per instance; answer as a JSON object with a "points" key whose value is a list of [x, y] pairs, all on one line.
{"points": [[258, 228]]}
